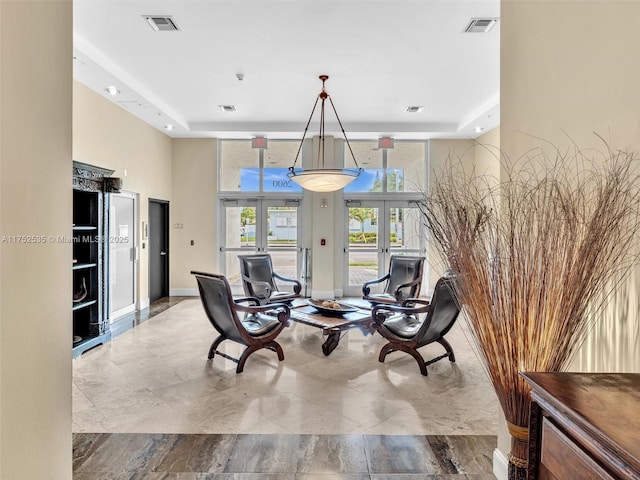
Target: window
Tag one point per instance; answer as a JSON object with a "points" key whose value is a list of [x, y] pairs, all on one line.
{"points": [[246, 169], [399, 170]]}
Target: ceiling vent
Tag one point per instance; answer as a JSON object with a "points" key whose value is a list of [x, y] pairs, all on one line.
{"points": [[480, 25], [414, 109], [131, 104], [228, 108], [161, 23]]}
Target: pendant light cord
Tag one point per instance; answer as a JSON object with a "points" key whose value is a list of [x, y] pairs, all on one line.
{"points": [[323, 95], [291, 168], [344, 133]]}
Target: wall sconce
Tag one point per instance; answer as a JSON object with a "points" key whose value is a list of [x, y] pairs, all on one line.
{"points": [[324, 203]]}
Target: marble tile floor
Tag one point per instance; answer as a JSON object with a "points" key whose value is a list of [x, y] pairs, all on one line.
{"points": [[119, 456], [156, 380]]}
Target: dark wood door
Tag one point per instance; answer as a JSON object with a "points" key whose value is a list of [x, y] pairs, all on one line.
{"points": [[158, 249]]}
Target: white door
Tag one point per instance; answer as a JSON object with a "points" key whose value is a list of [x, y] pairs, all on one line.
{"points": [[376, 230], [122, 254], [260, 226]]}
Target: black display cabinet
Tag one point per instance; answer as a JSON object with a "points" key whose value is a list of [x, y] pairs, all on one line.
{"points": [[91, 186]]}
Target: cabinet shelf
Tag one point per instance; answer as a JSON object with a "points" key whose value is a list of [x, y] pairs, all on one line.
{"points": [[82, 266], [79, 305], [83, 228]]}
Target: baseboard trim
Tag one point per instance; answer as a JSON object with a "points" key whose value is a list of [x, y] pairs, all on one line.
{"points": [[500, 465], [183, 292], [142, 304]]}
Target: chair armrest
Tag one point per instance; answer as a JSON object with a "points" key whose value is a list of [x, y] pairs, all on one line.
{"points": [[258, 283], [379, 312], [365, 286], [297, 286], [246, 299], [415, 281], [409, 302], [279, 310]]}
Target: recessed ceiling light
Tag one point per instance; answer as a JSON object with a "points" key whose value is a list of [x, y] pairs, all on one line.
{"points": [[111, 90], [414, 108], [228, 108], [478, 129], [168, 127]]}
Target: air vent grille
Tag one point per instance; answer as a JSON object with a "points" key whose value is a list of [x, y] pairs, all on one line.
{"points": [[480, 25], [228, 108], [161, 23]]}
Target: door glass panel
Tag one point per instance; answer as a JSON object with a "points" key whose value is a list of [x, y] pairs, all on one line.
{"points": [[233, 267], [404, 229], [263, 226], [282, 241], [241, 227], [363, 244], [240, 233], [122, 253], [377, 230]]}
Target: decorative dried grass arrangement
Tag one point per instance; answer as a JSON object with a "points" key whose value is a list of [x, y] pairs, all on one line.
{"points": [[532, 255]]}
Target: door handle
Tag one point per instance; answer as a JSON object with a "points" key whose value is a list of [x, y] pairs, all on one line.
{"points": [[163, 253]]}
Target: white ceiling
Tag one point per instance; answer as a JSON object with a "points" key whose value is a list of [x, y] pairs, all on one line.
{"points": [[381, 56]]}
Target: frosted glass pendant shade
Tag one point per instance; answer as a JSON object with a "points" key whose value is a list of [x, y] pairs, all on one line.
{"points": [[324, 180]]}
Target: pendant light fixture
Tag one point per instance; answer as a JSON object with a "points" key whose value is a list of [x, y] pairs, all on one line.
{"points": [[321, 179]]}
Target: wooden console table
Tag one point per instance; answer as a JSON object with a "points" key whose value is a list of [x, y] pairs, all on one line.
{"points": [[584, 426]]}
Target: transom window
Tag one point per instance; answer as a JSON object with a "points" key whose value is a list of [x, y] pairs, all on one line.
{"points": [[398, 170], [246, 169], [401, 169]]}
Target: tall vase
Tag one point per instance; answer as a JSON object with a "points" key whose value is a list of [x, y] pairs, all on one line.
{"points": [[519, 454]]}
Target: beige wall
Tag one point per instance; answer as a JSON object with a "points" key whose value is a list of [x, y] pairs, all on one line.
{"points": [[569, 69], [194, 203], [35, 278], [441, 153], [108, 136], [544, 95], [486, 155]]}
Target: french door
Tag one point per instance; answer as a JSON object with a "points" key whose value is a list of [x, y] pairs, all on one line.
{"points": [[252, 226], [123, 254], [375, 230]]}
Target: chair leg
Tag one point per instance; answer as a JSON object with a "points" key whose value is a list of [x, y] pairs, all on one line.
{"points": [[421, 363], [390, 347], [447, 347], [387, 349], [214, 346], [243, 358], [275, 346]]}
